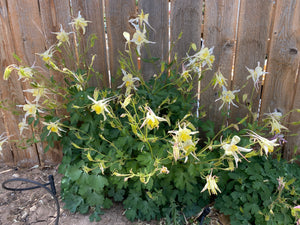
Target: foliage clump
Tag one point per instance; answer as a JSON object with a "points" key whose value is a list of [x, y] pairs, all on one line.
{"points": [[146, 144]]}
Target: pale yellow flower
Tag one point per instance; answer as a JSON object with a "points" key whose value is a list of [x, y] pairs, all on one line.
{"points": [[140, 20], [233, 150], [202, 58], [30, 109], [54, 127], [265, 144], [100, 106], [219, 79], [37, 92], [211, 185], [3, 139], [183, 134], [23, 126], [227, 97], [256, 74], [128, 81], [80, 23], [62, 36], [25, 72], [274, 121], [47, 55], [139, 38], [164, 170], [151, 120]]}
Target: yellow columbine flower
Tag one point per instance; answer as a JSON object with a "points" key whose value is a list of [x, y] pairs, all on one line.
{"points": [[62, 36], [54, 127], [8, 71], [151, 120], [274, 121], [3, 139], [80, 23], [25, 72], [211, 185], [140, 20], [201, 58], [256, 74], [47, 55], [30, 109], [128, 81], [100, 106], [139, 38], [164, 170], [265, 144], [219, 79], [227, 97], [23, 126], [37, 92], [233, 150], [183, 134]]}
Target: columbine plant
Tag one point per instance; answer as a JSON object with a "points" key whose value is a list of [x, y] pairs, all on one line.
{"points": [[141, 144]]}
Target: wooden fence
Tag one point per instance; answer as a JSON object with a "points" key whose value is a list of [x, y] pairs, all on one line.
{"points": [[243, 32]]}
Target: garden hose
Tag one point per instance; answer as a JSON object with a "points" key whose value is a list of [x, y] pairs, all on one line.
{"points": [[51, 191]]}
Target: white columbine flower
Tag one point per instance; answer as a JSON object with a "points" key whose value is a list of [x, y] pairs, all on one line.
{"points": [[23, 126], [234, 150], [30, 109], [151, 120], [139, 38], [100, 106], [219, 79], [211, 185], [54, 127], [128, 81], [256, 74], [3, 139], [80, 23], [227, 97], [62, 36], [47, 55], [265, 144]]}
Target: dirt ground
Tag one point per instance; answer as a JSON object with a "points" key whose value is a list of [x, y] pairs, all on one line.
{"points": [[38, 207]]}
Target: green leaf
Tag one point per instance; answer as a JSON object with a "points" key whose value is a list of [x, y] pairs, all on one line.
{"points": [[72, 202], [95, 199], [97, 182], [74, 173]]}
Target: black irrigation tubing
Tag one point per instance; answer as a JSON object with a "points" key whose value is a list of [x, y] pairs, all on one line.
{"points": [[51, 191], [201, 218]]}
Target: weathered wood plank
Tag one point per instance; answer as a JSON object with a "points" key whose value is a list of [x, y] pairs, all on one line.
{"points": [[118, 12], [23, 20], [186, 17], [280, 91], [219, 32], [283, 58], [159, 20], [293, 142], [252, 37], [6, 155], [93, 11]]}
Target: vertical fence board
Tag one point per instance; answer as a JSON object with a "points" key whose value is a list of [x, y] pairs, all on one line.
{"points": [[158, 18], [293, 142], [279, 87], [28, 39], [118, 12], [93, 11], [283, 58], [186, 17], [252, 37], [219, 32], [6, 47]]}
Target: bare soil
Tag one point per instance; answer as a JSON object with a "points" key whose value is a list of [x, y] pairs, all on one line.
{"points": [[38, 206]]}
